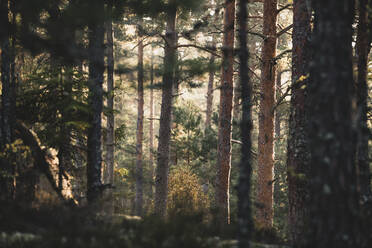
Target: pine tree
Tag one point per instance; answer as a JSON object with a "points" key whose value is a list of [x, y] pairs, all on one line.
{"points": [[297, 152]]}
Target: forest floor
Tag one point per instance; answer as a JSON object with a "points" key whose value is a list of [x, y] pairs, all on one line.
{"points": [[79, 228]]}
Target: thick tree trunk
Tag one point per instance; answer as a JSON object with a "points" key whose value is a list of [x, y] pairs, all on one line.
{"points": [[210, 91], [140, 113], [225, 112], [7, 175], [161, 182], [333, 204], [266, 118], [110, 138], [362, 49], [297, 151], [96, 69], [245, 219]]}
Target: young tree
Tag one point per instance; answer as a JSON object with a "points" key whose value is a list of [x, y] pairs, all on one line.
{"points": [[140, 111], [96, 69], [297, 153], [225, 115], [245, 167], [333, 201], [266, 117]]}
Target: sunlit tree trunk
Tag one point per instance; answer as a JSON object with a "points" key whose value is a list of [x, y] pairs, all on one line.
{"points": [[245, 219], [210, 91], [298, 150], [362, 50], [162, 169], [333, 201], [225, 115], [266, 118], [110, 124], [96, 69], [140, 113]]}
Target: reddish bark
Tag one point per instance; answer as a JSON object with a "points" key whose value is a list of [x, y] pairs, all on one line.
{"points": [[266, 118], [225, 115]]}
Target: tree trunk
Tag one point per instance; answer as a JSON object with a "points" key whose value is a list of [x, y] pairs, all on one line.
{"points": [[210, 88], [225, 112], [266, 118], [139, 162], [297, 151], [245, 219], [362, 50], [278, 93], [110, 138], [96, 69], [334, 207], [170, 53], [151, 157], [7, 175]]}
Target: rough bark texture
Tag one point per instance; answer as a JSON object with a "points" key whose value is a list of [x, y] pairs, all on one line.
{"points": [[110, 138], [139, 132], [245, 167], [6, 167], [162, 169], [266, 118], [297, 151], [225, 115], [96, 69], [333, 204], [210, 91], [362, 49]]}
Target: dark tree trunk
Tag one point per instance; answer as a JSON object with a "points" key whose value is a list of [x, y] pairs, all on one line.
{"points": [[140, 113], [225, 115], [266, 118], [362, 50], [297, 151], [333, 204], [96, 69], [7, 175], [244, 187], [161, 182]]}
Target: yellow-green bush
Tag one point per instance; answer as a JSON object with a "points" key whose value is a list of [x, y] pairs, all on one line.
{"points": [[185, 194]]}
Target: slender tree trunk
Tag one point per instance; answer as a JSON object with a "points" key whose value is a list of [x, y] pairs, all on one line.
{"points": [[139, 162], [334, 204], [7, 175], [225, 115], [151, 157], [278, 92], [297, 152], [210, 88], [161, 182], [266, 118], [110, 138], [96, 69], [245, 219], [364, 180]]}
